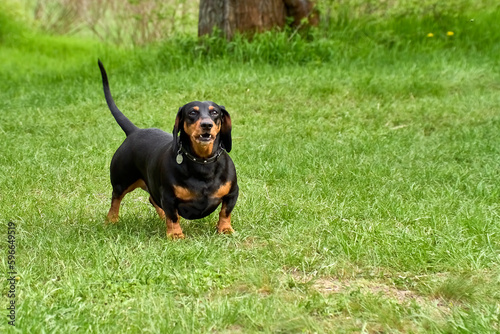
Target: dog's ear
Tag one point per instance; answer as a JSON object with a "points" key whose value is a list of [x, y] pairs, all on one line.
{"points": [[225, 131], [177, 127]]}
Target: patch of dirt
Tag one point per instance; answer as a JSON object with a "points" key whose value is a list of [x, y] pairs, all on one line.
{"points": [[333, 285], [231, 329]]}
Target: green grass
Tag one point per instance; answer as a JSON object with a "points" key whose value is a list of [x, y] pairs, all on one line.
{"points": [[368, 173]]}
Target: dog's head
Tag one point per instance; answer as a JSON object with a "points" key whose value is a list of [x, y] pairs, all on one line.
{"points": [[204, 125]]}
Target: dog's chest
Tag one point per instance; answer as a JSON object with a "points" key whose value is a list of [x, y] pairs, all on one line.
{"points": [[198, 201]]}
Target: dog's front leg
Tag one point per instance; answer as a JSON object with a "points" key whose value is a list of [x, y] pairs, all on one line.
{"points": [[172, 220], [174, 230], [224, 224], [228, 203]]}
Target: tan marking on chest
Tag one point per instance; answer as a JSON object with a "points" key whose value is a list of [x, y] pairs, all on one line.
{"points": [[223, 190], [184, 193]]}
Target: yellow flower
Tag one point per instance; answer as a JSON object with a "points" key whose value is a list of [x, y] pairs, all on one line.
{"points": [[450, 33], [430, 34]]}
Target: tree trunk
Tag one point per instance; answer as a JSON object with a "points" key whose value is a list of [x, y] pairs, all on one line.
{"points": [[252, 16]]}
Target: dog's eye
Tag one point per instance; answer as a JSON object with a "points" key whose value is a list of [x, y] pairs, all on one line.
{"points": [[192, 112], [214, 112]]}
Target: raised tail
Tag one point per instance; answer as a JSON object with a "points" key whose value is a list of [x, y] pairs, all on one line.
{"points": [[127, 126]]}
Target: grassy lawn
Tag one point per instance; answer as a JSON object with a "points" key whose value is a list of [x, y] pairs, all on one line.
{"points": [[369, 186]]}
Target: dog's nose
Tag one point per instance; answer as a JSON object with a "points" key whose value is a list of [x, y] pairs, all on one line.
{"points": [[206, 125]]}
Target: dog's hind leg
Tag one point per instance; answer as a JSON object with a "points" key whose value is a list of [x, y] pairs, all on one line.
{"points": [[159, 210], [117, 196]]}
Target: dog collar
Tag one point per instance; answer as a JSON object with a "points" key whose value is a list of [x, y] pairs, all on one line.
{"points": [[182, 152]]}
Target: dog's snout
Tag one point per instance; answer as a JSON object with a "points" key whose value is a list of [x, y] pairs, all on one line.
{"points": [[206, 124]]}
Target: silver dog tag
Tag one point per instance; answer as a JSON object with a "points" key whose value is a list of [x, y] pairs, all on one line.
{"points": [[179, 159]]}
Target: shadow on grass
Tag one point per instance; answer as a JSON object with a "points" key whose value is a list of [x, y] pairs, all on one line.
{"points": [[151, 226]]}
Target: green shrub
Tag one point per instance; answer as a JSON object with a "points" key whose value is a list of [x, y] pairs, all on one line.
{"points": [[12, 21], [349, 35]]}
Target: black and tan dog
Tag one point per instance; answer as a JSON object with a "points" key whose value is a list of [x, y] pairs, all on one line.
{"points": [[186, 174]]}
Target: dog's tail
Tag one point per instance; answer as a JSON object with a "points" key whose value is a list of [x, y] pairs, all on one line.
{"points": [[127, 126]]}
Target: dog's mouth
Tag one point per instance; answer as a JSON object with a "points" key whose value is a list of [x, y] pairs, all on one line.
{"points": [[205, 138]]}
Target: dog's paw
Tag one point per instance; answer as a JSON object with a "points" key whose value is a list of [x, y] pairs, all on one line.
{"points": [[175, 236], [225, 230], [111, 219]]}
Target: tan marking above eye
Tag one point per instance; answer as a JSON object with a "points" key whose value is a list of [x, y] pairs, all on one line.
{"points": [[196, 108], [184, 193], [223, 190], [211, 108]]}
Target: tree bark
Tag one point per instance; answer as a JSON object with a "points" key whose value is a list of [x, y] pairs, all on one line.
{"points": [[252, 16]]}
